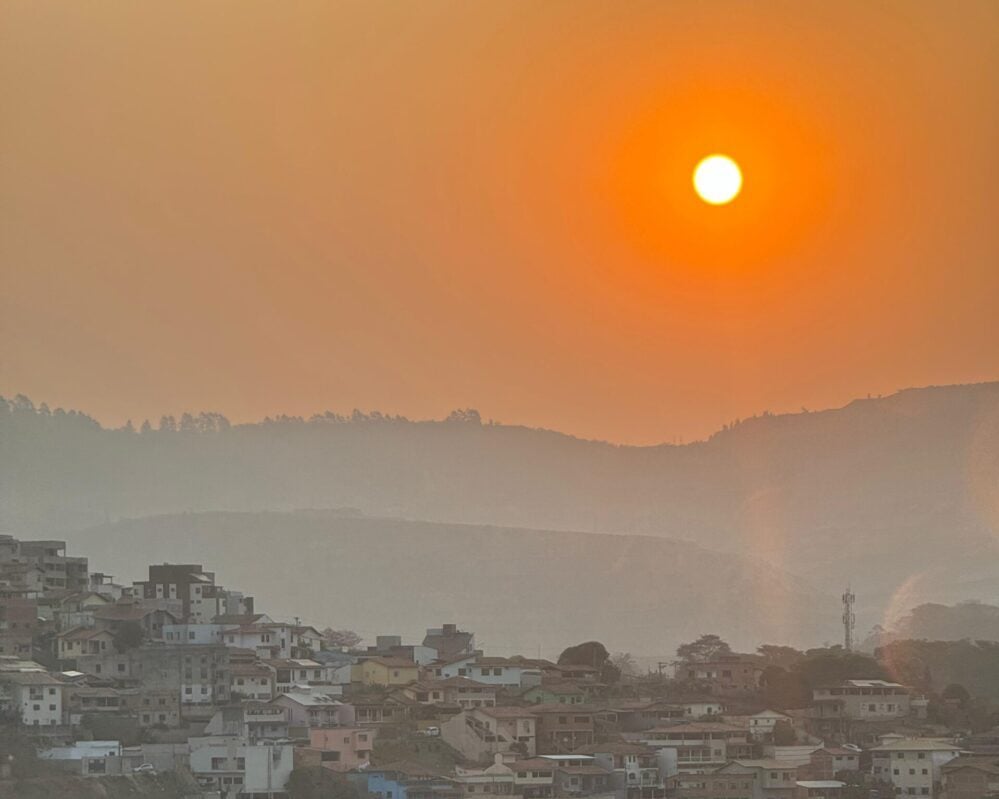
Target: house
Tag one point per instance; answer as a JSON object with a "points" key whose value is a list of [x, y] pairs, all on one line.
{"points": [[912, 765], [404, 780], [700, 707], [234, 767], [731, 781], [562, 729], [80, 700], [554, 692], [385, 671], [153, 707], [700, 746], [489, 670], [193, 633], [18, 622], [201, 600], [819, 789], [449, 642], [251, 681], [392, 646], [115, 616], [292, 673], [761, 725], [33, 696], [58, 572], [864, 700], [305, 641], [725, 675], [78, 641], [198, 674], [496, 778], [75, 608], [87, 758], [267, 640], [454, 691], [579, 775], [339, 748], [637, 772], [573, 671], [376, 709], [774, 779], [314, 709], [252, 721], [483, 732], [970, 777], [828, 761]]}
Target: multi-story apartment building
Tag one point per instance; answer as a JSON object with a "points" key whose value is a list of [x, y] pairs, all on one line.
{"points": [[34, 697], [198, 675], [867, 700], [201, 599], [700, 746], [913, 765], [47, 558], [483, 732]]}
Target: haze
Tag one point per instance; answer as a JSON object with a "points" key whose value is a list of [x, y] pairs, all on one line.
{"points": [[283, 209]]}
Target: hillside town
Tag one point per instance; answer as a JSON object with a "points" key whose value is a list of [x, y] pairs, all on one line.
{"points": [[176, 675]]}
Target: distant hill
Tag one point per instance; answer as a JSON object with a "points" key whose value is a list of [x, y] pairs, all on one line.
{"points": [[897, 495], [517, 589]]}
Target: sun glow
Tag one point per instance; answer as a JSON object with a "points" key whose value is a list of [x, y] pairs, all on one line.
{"points": [[717, 179]]}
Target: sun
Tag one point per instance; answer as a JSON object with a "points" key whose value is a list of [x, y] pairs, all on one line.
{"points": [[717, 179]]}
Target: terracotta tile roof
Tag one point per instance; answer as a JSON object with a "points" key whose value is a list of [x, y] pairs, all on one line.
{"points": [[584, 770], [507, 712]]}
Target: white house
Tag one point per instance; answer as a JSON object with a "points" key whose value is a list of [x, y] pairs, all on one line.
{"points": [[35, 695], [912, 765], [235, 768], [193, 633], [487, 670], [761, 725]]}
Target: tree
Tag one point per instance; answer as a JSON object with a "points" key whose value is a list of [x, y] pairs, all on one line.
{"points": [[624, 663], [128, 635], [316, 782], [591, 653], [146, 427], [341, 639], [706, 648], [957, 694], [783, 656], [784, 734]]}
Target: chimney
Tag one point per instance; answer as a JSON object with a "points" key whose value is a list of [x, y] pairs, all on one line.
{"points": [[450, 629]]}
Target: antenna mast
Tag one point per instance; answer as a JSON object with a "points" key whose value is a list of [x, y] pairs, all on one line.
{"points": [[849, 620]]}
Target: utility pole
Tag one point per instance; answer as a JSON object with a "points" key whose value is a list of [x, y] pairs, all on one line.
{"points": [[848, 619]]}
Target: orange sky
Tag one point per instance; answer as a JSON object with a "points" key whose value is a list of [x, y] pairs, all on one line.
{"points": [[263, 207]]}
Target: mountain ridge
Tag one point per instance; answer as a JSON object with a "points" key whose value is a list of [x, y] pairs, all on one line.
{"points": [[891, 494]]}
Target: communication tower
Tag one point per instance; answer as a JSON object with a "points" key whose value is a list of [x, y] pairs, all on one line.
{"points": [[849, 620]]}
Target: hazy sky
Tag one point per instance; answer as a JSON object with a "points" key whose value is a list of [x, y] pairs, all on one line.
{"points": [[263, 207]]}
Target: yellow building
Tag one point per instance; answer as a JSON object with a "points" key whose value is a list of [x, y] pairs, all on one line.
{"points": [[385, 671]]}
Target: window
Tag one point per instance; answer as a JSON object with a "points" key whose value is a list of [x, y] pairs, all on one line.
{"points": [[497, 672], [218, 763]]}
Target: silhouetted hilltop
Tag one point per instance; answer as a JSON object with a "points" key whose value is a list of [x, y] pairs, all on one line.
{"points": [[517, 589], [892, 493]]}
